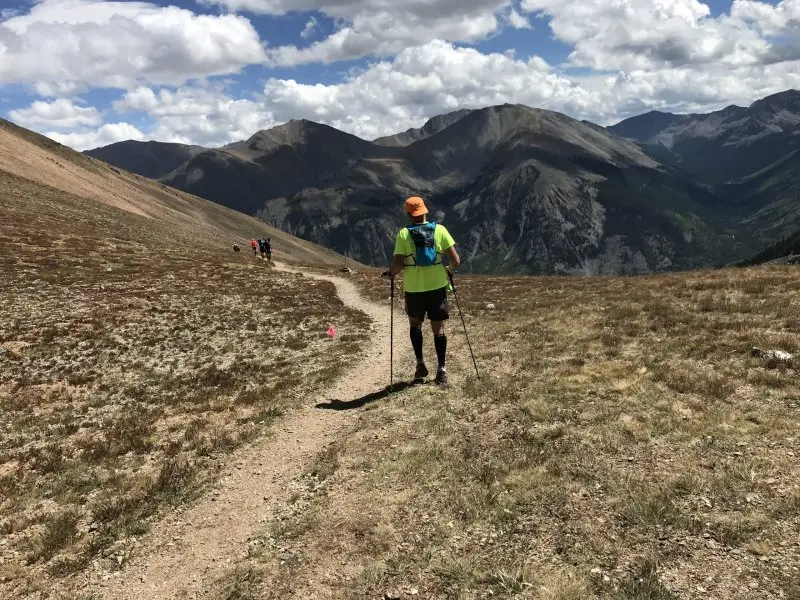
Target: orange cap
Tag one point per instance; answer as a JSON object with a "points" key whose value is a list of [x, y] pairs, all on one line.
{"points": [[415, 207]]}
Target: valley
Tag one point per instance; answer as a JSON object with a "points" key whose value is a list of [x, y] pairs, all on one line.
{"points": [[523, 190]]}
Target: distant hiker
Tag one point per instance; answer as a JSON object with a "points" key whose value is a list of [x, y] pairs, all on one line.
{"points": [[254, 246], [268, 248], [262, 247], [418, 253]]}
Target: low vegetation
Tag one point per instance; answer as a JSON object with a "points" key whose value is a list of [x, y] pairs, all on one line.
{"points": [[132, 361], [623, 443], [787, 247]]}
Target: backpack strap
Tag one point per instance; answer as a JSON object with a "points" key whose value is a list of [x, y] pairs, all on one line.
{"points": [[413, 256], [416, 225]]}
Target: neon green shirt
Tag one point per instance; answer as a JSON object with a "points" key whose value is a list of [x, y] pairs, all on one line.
{"points": [[423, 279]]}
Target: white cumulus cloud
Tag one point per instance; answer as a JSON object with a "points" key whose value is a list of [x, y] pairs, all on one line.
{"points": [[57, 89], [311, 27], [770, 19], [206, 116], [685, 90], [642, 55], [648, 34], [102, 136], [517, 21], [114, 43], [60, 114], [382, 35], [419, 83], [381, 28], [391, 96]]}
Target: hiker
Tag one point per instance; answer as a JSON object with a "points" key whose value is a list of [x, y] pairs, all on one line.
{"points": [[418, 253], [268, 249], [262, 247], [254, 245]]}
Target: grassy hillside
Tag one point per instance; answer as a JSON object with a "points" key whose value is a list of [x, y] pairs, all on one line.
{"points": [[137, 350], [622, 444], [172, 217]]}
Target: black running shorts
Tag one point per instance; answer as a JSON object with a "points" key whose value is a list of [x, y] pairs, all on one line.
{"points": [[433, 303]]}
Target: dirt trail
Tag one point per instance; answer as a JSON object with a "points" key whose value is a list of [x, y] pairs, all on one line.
{"points": [[186, 553]]}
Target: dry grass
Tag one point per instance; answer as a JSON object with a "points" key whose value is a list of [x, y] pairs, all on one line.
{"points": [[622, 444], [133, 358]]}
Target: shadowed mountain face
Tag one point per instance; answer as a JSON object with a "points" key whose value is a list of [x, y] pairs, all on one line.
{"points": [[725, 145], [786, 252], [151, 159], [273, 163], [431, 127], [526, 190], [522, 190]]}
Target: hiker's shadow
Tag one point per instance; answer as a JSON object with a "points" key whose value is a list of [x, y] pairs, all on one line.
{"points": [[364, 400]]}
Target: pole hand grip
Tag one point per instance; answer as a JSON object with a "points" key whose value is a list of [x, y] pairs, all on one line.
{"points": [[450, 277]]}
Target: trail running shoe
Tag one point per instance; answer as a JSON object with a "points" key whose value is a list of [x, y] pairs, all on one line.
{"points": [[441, 376], [421, 372]]}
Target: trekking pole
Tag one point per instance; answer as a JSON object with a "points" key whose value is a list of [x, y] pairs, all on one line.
{"points": [[391, 340], [466, 335]]}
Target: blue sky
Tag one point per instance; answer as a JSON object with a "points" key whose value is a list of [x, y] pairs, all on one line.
{"points": [[91, 72]]}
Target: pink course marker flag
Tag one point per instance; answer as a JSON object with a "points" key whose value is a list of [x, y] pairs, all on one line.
{"points": [[331, 331]]}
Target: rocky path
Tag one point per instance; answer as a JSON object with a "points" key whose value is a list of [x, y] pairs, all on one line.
{"points": [[185, 554]]}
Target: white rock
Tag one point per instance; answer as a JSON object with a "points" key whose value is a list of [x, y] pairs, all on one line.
{"points": [[779, 355], [491, 306]]}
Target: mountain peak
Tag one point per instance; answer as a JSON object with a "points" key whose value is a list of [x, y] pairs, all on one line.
{"points": [[148, 158], [290, 128], [789, 99], [645, 126], [431, 127], [720, 146], [295, 131]]}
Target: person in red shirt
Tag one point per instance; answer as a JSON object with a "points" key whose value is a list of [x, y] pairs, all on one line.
{"points": [[254, 246]]}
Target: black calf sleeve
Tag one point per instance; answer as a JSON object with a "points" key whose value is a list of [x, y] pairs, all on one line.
{"points": [[416, 342], [440, 341]]}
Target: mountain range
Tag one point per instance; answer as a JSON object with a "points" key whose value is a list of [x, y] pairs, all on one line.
{"points": [[722, 146], [431, 127], [523, 190], [59, 207], [150, 159]]}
